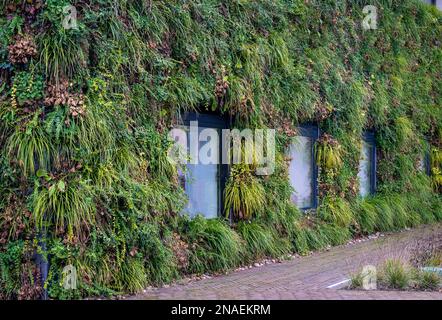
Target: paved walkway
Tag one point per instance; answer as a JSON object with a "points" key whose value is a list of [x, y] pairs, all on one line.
{"points": [[308, 277]]}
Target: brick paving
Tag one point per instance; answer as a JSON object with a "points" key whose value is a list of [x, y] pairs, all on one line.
{"points": [[308, 277]]}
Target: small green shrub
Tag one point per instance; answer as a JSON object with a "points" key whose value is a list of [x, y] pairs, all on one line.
{"points": [[30, 148], [366, 216], [61, 50], [394, 274], [299, 240], [214, 246], [11, 260], [328, 153], [401, 214], [336, 211], [244, 194], [109, 200], [65, 204], [385, 214], [436, 207], [315, 239], [435, 260], [356, 280], [132, 276], [428, 280], [260, 241], [436, 168], [27, 88], [159, 259], [335, 235]]}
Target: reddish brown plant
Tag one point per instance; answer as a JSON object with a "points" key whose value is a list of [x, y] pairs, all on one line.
{"points": [[22, 49]]}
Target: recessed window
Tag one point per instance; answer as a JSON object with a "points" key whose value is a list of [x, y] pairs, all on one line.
{"points": [[303, 170], [204, 182], [367, 166]]}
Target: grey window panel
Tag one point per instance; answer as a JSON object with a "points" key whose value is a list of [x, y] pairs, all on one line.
{"points": [[301, 171]]}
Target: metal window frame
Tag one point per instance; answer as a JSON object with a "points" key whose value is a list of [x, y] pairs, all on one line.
{"points": [[311, 130], [215, 121], [370, 138]]}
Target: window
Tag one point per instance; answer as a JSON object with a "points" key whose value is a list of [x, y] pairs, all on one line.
{"points": [[303, 170], [367, 165], [204, 183]]}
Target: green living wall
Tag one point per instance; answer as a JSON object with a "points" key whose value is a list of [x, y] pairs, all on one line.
{"points": [[84, 116]]}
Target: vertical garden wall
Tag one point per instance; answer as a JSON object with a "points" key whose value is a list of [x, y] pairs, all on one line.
{"points": [[85, 111]]}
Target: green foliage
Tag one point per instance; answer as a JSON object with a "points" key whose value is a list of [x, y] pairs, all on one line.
{"points": [[99, 182], [313, 235], [30, 147], [92, 265], [367, 217], [27, 87], [215, 246], [335, 235], [316, 239], [159, 258], [356, 280], [261, 242], [156, 148], [385, 214], [244, 194], [405, 132], [398, 275], [435, 259], [428, 280], [436, 168], [401, 213], [10, 267], [328, 155], [300, 240], [61, 53], [133, 278], [394, 274], [67, 204], [336, 211], [394, 212]]}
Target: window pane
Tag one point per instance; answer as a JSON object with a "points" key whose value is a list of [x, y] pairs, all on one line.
{"points": [[301, 171], [202, 187], [365, 166]]}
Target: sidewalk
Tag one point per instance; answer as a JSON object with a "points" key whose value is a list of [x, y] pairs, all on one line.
{"points": [[308, 277]]}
